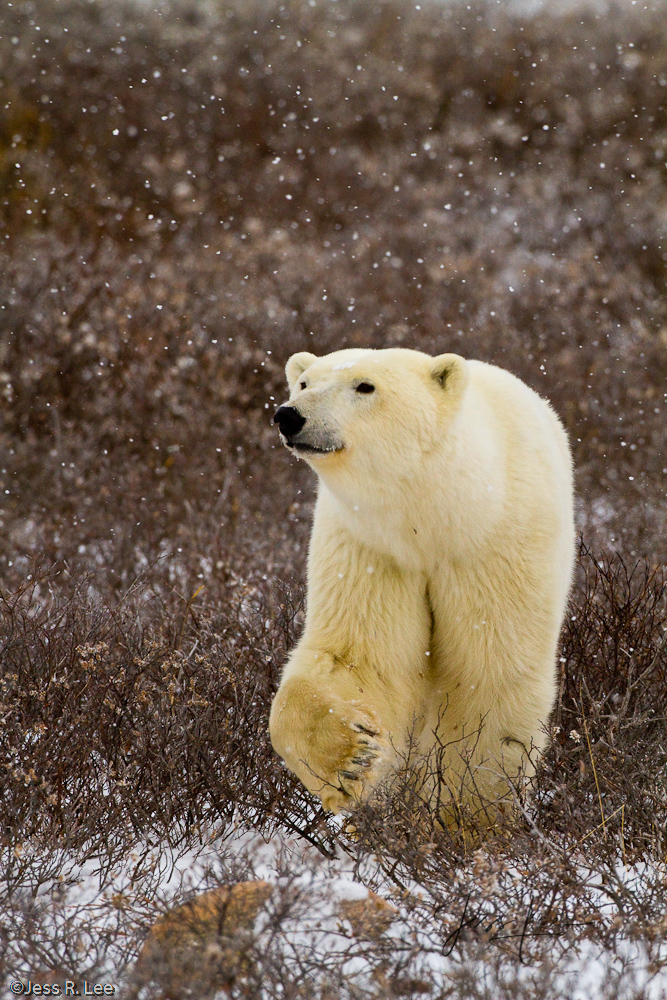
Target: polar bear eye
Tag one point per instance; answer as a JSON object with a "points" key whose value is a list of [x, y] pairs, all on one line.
{"points": [[365, 387], [302, 385]]}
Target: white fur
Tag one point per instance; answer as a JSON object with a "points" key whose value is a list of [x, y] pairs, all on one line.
{"points": [[439, 568]]}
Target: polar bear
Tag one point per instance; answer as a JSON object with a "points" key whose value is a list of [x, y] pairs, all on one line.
{"points": [[439, 568]]}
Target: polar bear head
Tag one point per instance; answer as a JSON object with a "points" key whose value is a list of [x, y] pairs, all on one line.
{"points": [[369, 408]]}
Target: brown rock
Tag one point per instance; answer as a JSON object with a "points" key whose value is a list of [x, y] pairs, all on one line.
{"points": [[370, 918], [202, 946]]}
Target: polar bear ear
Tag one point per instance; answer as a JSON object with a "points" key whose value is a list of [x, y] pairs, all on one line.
{"points": [[297, 365], [451, 372]]}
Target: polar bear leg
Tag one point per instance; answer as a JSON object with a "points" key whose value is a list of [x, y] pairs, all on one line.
{"points": [[356, 685]]}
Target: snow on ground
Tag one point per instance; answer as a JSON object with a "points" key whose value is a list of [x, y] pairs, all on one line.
{"points": [[317, 926]]}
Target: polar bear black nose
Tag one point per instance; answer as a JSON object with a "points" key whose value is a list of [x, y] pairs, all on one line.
{"points": [[289, 420]]}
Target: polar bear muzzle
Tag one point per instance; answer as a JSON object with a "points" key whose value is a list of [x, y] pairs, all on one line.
{"points": [[303, 435]]}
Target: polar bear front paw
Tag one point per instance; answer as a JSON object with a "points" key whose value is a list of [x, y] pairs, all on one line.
{"points": [[361, 765], [335, 745]]}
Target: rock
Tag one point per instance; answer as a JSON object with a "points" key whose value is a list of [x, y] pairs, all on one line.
{"points": [[370, 918], [202, 946]]}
